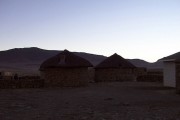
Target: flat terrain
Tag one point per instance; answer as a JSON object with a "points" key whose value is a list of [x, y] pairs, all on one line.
{"points": [[98, 101]]}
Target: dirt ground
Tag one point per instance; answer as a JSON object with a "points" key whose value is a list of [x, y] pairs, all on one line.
{"points": [[98, 101]]}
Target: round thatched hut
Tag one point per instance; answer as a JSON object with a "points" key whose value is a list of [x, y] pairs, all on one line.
{"points": [[65, 69], [114, 68]]}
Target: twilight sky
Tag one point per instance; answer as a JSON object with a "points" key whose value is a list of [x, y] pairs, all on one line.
{"points": [[145, 29]]}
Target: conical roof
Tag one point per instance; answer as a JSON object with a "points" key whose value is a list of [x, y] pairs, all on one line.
{"points": [[115, 61], [65, 59]]}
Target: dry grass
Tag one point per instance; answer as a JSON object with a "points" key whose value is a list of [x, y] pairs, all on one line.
{"points": [[99, 101]]}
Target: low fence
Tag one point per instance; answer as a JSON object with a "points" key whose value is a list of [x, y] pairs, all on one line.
{"points": [[37, 82], [150, 78], [22, 83]]}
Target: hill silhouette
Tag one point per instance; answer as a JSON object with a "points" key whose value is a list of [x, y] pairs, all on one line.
{"points": [[29, 59], [25, 55]]}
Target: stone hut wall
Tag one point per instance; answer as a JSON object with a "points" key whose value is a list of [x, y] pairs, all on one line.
{"points": [[178, 77], [65, 77], [140, 71], [114, 75], [91, 73], [152, 75]]}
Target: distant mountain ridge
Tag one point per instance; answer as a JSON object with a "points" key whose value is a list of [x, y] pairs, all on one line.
{"points": [[25, 55], [37, 55], [31, 58], [27, 59]]}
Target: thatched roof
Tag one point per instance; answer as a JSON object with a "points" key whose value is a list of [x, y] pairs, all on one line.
{"points": [[65, 59], [171, 60], [115, 61]]}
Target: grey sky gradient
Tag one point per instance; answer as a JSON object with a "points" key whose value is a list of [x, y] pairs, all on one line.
{"points": [[145, 29]]}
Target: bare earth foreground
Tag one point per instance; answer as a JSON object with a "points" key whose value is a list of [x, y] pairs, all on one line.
{"points": [[98, 101]]}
